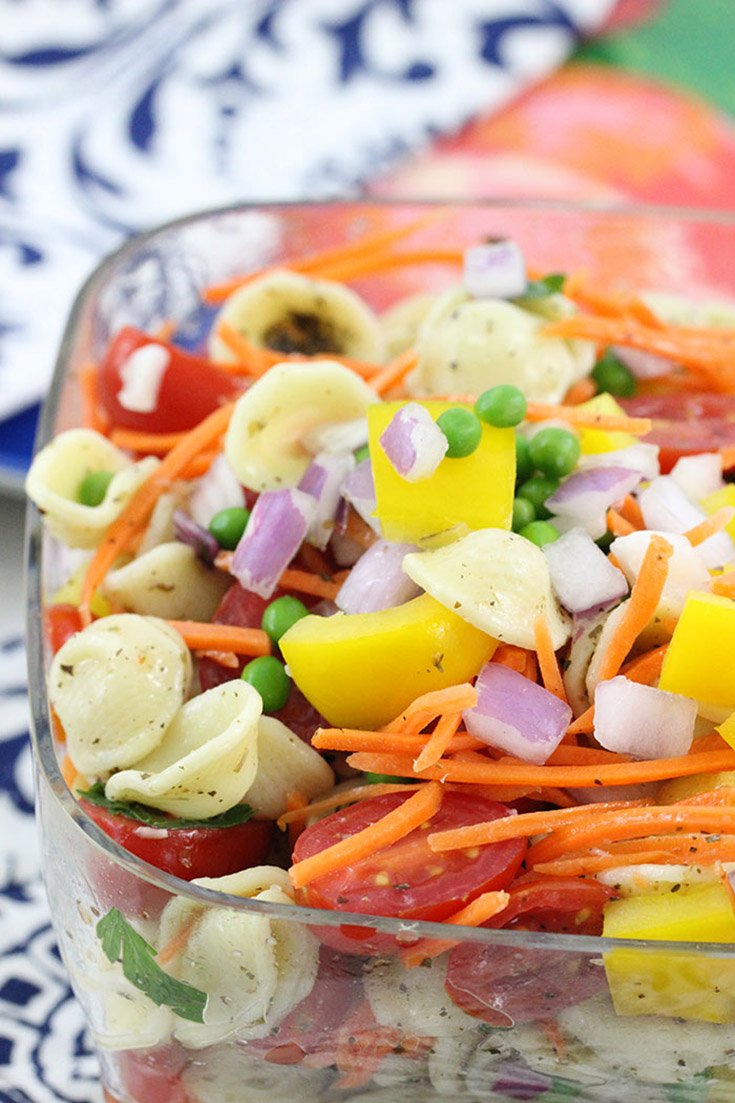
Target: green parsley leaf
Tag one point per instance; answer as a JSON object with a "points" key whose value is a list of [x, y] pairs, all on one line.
{"points": [[241, 813], [121, 942], [549, 285]]}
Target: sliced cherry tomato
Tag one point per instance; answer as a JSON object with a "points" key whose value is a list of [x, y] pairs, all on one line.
{"points": [[686, 424], [153, 1075], [406, 880], [61, 623], [190, 387], [562, 904], [188, 852]]}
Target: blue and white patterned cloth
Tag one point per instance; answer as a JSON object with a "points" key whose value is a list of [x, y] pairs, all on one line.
{"points": [[117, 114]]}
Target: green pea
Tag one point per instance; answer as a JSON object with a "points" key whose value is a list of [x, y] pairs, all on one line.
{"points": [[362, 453], [536, 490], [524, 467], [388, 779], [463, 431], [268, 676], [228, 525], [554, 451], [93, 487], [281, 614], [612, 376], [503, 406], [523, 513], [540, 533]]}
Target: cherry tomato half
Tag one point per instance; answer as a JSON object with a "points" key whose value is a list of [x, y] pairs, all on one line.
{"points": [[188, 852], [153, 1075], [686, 424], [190, 388], [561, 904], [406, 880], [61, 623]]}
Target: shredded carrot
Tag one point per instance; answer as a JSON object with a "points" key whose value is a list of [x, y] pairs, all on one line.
{"points": [[200, 464], [69, 772], [314, 561], [479, 770], [226, 659], [640, 607], [344, 797], [516, 658], [618, 525], [711, 525], [93, 416], [595, 863], [724, 796], [255, 360], [522, 826], [631, 511], [358, 530], [394, 372], [439, 741], [178, 943], [124, 532], [615, 305], [724, 584], [304, 582], [581, 391], [394, 742], [727, 458], [202, 636], [566, 755], [474, 914], [151, 444], [588, 419], [379, 262], [547, 661], [429, 705], [398, 823]]}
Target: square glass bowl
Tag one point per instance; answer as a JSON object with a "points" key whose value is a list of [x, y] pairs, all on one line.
{"points": [[583, 1017]]}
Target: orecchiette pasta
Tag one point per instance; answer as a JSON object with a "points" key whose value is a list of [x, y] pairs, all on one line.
{"points": [[56, 475], [285, 764], [400, 323], [116, 686], [415, 1001], [468, 345], [207, 759], [129, 1019], [168, 581], [293, 313], [264, 442], [232, 1075]]}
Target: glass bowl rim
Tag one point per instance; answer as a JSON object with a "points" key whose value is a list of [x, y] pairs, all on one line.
{"points": [[41, 730]]}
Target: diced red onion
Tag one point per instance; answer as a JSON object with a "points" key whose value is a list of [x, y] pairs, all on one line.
{"points": [[636, 457], [323, 480], [585, 496], [581, 574], [665, 506], [686, 570], [377, 580], [219, 488], [196, 537], [414, 443], [698, 476], [642, 721], [494, 270], [337, 436], [359, 490], [517, 715], [277, 527], [517, 1081], [642, 364], [141, 375]]}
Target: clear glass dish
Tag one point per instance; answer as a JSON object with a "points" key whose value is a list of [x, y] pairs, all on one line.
{"points": [[588, 1018]]}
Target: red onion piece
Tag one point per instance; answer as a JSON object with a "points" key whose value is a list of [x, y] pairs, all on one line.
{"points": [[581, 574], [643, 721], [377, 580], [359, 490], [642, 364], [495, 270], [686, 570], [517, 715], [414, 443], [277, 527], [665, 506], [323, 480], [219, 488], [585, 496], [196, 537], [518, 1081], [698, 476], [636, 457]]}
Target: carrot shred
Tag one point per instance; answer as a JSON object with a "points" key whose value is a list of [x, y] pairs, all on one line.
{"points": [[515, 658], [358, 530], [474, 914], [69, 772], [547, 661], [370, 265], [202, 636], [93, 417], [255, 360], [588, 419], [166, 330], [620, 304], [631, 511], [226, 659], [394, 742], [344, 797], [398, 823], [640, 607], [711, 525], [429, 705], [724, 585], [178, 943], [307, 583], [394, 372], [439, 741], [727, 457], [200, 464], [566, 755], [124, 532], [618, 525], [581, 391], [152, 444]]}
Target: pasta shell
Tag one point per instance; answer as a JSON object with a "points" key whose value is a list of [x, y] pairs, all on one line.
{"points": [[285, 764], [496, 580], [127, 1019], [292, 313], [169, 581], [401, 322], [207, 759], [414, 1000], [57, 472], [116, 686], [264, 442], [232, 1075]]}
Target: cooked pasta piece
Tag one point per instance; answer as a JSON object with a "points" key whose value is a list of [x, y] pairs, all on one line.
{"points": [[207, 759], [467, 345], [291, 313], [116, 686], [400, 323], [285, 764], [128, 1019], [232, 1075], [168, 581], [160, 528], [57, 473], [414, 1000]]}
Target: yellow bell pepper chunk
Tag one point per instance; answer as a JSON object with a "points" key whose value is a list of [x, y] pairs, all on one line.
{"points": [[679, 788], [698, 662], [720, 498], [361, 670], [688, 986], [592, 441], [475, 492], [71, 594]]}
